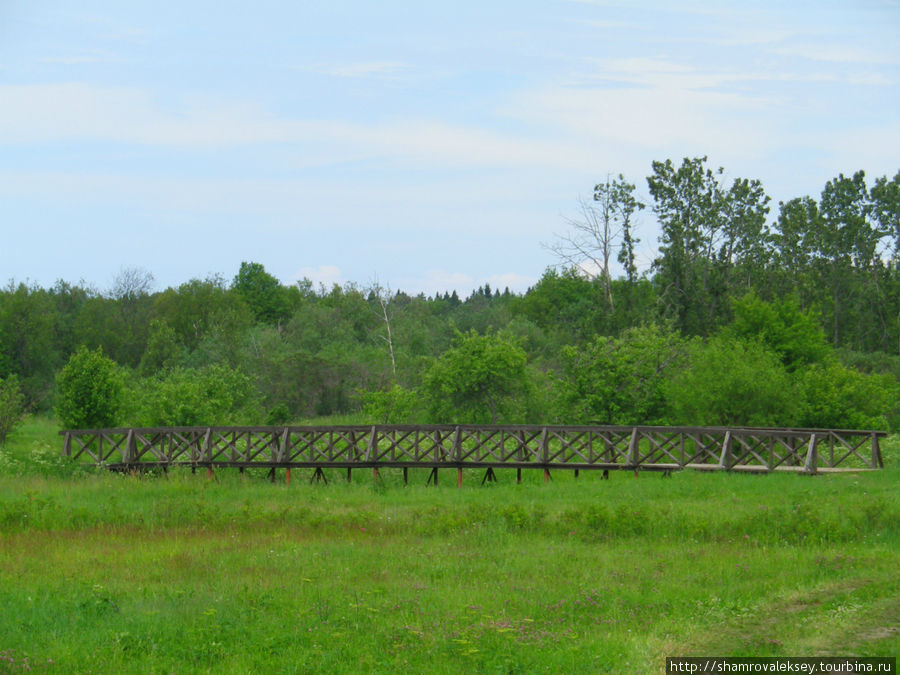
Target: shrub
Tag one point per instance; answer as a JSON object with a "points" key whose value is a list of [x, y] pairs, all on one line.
{"points": [[396, 405], [209, 396], [731, 382], [836, 397], [619, 380], [89, 391], [481, 379]]}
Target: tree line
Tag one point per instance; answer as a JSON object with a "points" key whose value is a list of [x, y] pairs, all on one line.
{"points": [[744, 317]]}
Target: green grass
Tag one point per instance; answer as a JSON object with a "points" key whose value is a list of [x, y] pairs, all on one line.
{"points": [[104, 573]]}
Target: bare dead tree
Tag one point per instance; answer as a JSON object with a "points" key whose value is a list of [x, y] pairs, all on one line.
{"points": [[131, 283], [604, 225], [382, 296]]}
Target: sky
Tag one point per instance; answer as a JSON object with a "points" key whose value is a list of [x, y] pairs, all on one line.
{"points": [[423, 146]]}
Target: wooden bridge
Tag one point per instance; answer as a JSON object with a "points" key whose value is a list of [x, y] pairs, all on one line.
{"points": [[605, 448]]}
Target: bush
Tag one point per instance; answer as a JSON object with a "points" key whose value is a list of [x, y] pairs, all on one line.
{"points": [[481, 379], [795, 336], [731, 382], [210, 396], [396, 405], [619, 380], [89, 391], [836, 397]]}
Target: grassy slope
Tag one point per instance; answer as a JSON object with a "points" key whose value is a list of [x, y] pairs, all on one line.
{"points": [[106, 573]]}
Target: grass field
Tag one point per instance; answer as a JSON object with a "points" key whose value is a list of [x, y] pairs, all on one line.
{"points": [[105, 574]]}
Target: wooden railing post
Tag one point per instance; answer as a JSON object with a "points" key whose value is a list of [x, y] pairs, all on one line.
{"points": [[373, 439], [632, 460], [129, 452], [812, 456], [282, 447], [725, 458]]}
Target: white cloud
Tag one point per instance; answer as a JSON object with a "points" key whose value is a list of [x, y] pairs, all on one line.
{"points": [[61, 112], [326, 275], [517, 283]]}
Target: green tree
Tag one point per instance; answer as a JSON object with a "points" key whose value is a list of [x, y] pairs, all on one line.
{"points": [[795, 242], [481, 379], [89, 391], [687, 202], [713, 240], [201, 308], [731, 382], [565, 302], [837, 397], [265, 295], [885, 196], [211, 396], [27, 339], [619, 380], [162, 350], [793, 335], [12, 405], [397, 405]]}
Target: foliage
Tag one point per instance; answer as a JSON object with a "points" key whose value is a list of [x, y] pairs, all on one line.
{"points": [[480, 379], [262, 292], [208, 396], [837, 397], [162, 351], [713, 240], [793, 335], [730, 382], [89, 391], [396, 405], [278, 415], [823, 277], [12, 405], [619, 380], [604, 226]]}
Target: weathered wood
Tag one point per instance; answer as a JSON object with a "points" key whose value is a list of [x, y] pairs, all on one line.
{"points": [[473, 446], [812, 461], [725, 457]]}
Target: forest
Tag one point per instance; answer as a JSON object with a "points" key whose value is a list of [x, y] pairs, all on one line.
{"points": [[749, 314]]}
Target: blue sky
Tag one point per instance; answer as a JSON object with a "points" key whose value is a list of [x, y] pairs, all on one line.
{"points": [[430, 146]]}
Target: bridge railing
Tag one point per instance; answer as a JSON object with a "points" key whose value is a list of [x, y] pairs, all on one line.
{"points": [[489, 446]]}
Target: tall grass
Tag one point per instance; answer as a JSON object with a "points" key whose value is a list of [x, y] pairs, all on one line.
{"points": [[108, 573]]}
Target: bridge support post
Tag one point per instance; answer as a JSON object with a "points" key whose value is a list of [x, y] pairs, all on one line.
{"points": [[287, 476], [459, 476]]}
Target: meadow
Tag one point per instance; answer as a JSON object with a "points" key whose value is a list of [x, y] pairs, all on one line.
{"points": [[179, 574]]}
